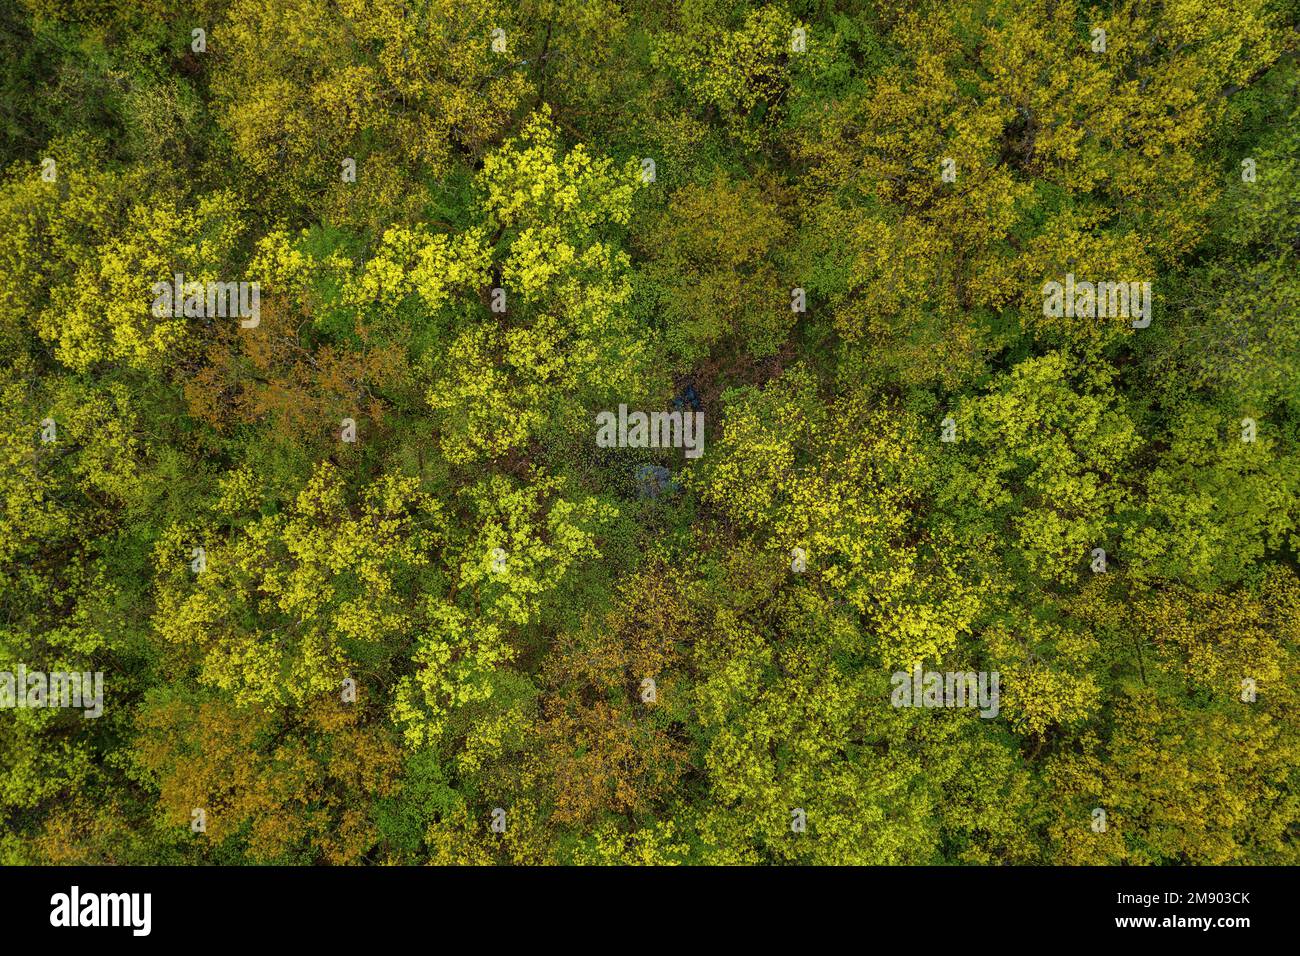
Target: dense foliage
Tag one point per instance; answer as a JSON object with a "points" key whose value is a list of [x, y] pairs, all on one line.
{"points": [[364, 586]]}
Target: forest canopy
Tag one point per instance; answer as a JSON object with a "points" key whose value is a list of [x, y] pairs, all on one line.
{"points": [[593, 432]]}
